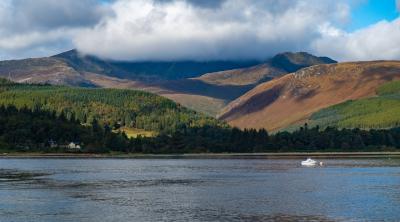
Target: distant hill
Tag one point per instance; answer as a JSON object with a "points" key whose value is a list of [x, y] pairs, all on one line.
{"points": [[293, 98], [42, 70]]}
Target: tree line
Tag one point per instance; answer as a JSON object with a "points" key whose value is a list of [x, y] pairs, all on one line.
{"points": [[23, 129]]}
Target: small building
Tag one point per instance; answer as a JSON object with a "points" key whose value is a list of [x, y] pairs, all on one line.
{"points": [[73, 145]]}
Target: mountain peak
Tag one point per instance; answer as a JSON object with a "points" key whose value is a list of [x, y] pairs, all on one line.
{"points": [[293, 61]]}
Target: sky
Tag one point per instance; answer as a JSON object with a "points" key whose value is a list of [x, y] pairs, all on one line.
{"points": [[170, 30]]}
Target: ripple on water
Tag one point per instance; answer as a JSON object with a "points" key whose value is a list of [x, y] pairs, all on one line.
{"points": [[17, 175]]}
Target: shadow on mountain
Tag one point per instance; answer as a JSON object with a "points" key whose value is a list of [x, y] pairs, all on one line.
{"points": [[256, 103], [198, 87]]}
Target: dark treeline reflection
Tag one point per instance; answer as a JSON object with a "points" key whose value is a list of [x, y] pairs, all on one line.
{"points": [[35, 130]]}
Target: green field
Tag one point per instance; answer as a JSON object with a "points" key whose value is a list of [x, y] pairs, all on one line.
{"points": [[382, 111], [134, 133]]}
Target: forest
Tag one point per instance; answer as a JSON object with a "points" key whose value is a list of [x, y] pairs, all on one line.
{"points": [[37, 130], [113, 107], [24, 130]]}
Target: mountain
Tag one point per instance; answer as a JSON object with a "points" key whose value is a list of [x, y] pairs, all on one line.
{"points": [[203, 86], [42, 70], [293, 98], [277, 66], [291, 62], [147, 70], [67, 67], [165, 78], [236, 82]]}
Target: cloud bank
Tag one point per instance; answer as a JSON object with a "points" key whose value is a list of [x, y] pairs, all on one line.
{"points": [[226, 30], [378, 41], [168, 30]]}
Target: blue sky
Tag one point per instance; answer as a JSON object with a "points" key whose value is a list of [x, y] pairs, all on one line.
{"points": [[346, 30], [366, 13]]}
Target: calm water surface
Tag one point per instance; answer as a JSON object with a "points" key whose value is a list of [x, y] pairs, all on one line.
{"points": [[198, 190]]}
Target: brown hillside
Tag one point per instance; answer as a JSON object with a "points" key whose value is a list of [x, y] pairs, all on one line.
{"points": [[41, 70], [293, 98], [277, 66]]}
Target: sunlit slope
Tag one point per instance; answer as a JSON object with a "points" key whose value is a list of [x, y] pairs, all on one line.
{"points": [[293, 98], [382, 111]]}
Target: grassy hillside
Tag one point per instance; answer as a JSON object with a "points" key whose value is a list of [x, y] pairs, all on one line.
{"points": [[382, 111], [129, 108]]}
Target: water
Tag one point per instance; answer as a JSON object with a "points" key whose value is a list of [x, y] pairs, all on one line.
{"points": [[198, 190]]}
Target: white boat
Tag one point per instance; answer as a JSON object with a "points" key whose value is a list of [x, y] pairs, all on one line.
{"points": [[308, 162]]}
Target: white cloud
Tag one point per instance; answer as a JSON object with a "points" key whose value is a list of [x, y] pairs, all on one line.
{"points": [[378, 41], [41, 27], [236, 29]]}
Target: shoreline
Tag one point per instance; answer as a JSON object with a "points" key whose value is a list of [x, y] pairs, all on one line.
{"points": [[289, 155]]}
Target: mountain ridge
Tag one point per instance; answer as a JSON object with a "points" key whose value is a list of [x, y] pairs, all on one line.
{"points": [[277, 66], [148, 70]]}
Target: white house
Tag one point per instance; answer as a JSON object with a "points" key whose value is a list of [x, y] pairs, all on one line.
{"points": [[72, 145]]}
